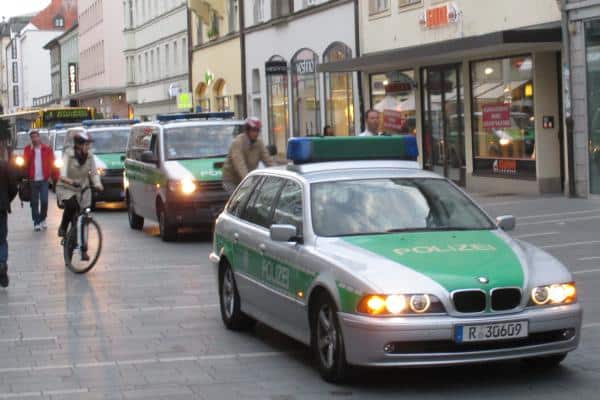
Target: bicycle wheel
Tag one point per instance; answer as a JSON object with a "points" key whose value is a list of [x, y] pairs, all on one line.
{"points": [[74, 253]]}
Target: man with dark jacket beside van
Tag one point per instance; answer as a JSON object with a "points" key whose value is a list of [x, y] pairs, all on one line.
{"points": [[8, 191]]}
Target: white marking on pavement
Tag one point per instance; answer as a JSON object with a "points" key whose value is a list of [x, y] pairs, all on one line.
{"points": [[20, 395], [560, 221], [138, 310], [28, 339], [528, 235], [585, 271], [588, 258], [592, 325], [169, 360], [555, 246], [559, 214], [66, 391], [504, 203]]}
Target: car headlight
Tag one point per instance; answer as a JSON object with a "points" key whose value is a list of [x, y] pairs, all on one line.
{"points": [[20, 161], [58, 163], [504, 141], [185, 186], [101, 171], [400, 304], [564, 293]]}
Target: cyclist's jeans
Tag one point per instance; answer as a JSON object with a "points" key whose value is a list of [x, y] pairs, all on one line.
{"points": [[70, 212]]}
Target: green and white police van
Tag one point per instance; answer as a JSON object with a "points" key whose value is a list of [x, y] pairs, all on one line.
{"points": [[173, 170], [109, 144]]}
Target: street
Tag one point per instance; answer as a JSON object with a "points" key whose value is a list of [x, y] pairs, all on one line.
{"points": [[145, 322]]}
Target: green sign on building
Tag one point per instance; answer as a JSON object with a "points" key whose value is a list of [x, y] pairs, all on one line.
{"points": [[184, 101]]}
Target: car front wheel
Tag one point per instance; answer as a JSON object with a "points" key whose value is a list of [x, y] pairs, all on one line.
{"points": [[229, 299], [327, 341]]}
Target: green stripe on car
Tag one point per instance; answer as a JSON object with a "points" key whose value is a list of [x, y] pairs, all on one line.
{"points": [[204, 169], [112, 160]]}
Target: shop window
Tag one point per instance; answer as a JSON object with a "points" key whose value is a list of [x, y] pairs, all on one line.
{"points": [[339, 103], [503, 117], [592, 34], [305, 96], [223, 102], [378, 6], [393, 94], [276, 70]]}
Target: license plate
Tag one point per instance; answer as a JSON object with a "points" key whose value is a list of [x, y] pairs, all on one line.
{"points": [[490, 332]]}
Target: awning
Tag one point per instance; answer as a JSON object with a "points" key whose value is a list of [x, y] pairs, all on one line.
{"points": [[448, 51]]}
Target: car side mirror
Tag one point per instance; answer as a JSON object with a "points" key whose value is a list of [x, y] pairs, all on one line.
{"points": [[148, 157], [123, 158], [272, 149], [284, 233], [506, 222]]}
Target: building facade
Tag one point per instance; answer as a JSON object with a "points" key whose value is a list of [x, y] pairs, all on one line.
{"points": [[156, 55], [8, 30], [478, 86], [583, 25], [69, 65], [285, 42], [216, 60], [102, 69]]}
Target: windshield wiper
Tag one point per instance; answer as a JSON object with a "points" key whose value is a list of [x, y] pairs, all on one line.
{"points": [[436, 229], [198, 158]]}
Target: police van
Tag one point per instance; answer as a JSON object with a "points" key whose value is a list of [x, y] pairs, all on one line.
{"points": [[173, 170], [109, 144]]}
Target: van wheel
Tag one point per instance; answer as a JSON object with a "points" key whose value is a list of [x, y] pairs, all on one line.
{"points": [[327, 341], [135, 221], [168, 233]]}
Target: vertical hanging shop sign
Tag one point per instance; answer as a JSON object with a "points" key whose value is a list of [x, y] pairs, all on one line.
{"points": [[72, 78]]}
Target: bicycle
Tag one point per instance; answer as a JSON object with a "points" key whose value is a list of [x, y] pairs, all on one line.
{"points": [[82, 244]]}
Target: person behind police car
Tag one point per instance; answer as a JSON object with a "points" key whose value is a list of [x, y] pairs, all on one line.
{"points": [[246, 151], [78, 169], [372, 128]]}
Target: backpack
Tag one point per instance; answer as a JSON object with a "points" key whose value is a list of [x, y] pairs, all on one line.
{"points": [[25, 190]]}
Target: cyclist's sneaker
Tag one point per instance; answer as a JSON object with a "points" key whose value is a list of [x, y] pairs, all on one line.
{"points": [[37, 227], [62, 232], [3, 275], [85, 256], [44, 225]]}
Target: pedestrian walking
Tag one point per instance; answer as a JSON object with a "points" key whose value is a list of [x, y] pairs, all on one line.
{"points": [[39, 164], [8, 191], [372, 128], [246, 151]]}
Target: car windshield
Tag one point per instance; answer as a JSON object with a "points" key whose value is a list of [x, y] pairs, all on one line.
{"points": [[378, 206], [59, 140], [23, 139], [201, 141], [110, 141]]}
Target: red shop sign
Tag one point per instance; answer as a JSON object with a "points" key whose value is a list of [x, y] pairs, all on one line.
{"points": [[393, 120], [496, 116]]}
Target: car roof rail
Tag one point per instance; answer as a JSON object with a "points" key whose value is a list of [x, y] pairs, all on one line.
{"points": [[192, 116], [109, 122]]}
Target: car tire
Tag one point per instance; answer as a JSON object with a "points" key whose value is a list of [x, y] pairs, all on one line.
{"points": [[327, 341], [135, 221], [230, 303], [545, 362], [168, 232]]}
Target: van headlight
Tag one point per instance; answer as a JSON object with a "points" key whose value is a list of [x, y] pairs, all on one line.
{"points": [[20, 161], [185, 186], [58, 163]]}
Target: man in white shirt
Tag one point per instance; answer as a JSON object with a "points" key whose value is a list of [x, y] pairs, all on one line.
{"points": [[372, 128]]}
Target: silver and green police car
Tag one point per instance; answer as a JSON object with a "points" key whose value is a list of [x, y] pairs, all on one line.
{"points": [[109, 144], [378, 263], [173, 170]]}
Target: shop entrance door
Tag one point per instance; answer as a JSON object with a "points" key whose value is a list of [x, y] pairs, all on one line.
{"points": [[443, 122]]}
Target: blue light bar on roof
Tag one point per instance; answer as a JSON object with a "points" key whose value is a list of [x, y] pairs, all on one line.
{"points": [[305, 150], [188, 116], [109, 122]]}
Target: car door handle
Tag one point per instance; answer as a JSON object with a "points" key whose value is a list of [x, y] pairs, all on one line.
{"points": [[262, 248], [236, 237]]}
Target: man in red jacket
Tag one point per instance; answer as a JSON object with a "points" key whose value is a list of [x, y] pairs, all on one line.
{"points": [[39, 162]]}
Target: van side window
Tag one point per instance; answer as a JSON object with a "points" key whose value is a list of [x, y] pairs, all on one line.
{"points": [[140, 141]]}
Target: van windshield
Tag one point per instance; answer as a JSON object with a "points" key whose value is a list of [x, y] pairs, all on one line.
{"points": [[200, 141], [59, 140], [110, 141], [23, 139]]}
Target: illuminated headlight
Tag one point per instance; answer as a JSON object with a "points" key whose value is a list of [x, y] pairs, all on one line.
{"points": [[504, 141], [101, 171], [20, 161], [399, 304], [185, 186], [58, 163], [564, 293]]}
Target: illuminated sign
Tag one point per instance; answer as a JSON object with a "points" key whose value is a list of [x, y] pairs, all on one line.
{"points": [[67, 115], [73, 78]]}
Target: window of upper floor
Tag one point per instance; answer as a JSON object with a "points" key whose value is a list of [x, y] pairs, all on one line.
{"points": [[259, 11], [409, 3], [281, 8], [59, 22], [377, 7]]}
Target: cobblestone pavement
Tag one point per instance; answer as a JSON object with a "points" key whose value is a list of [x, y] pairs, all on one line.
{"points": [[144, 324]]}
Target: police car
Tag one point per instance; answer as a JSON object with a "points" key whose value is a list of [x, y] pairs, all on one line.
{"points": [[109, 144], [173, 170], [378, 263]]}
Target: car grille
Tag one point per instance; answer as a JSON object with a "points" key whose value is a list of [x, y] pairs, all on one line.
{"points": [[215, 186], [113, 172], [505, 299], [449, 346], [469, 301]]}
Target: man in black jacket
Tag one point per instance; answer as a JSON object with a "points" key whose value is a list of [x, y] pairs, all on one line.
{"points": [[8, 191]]}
